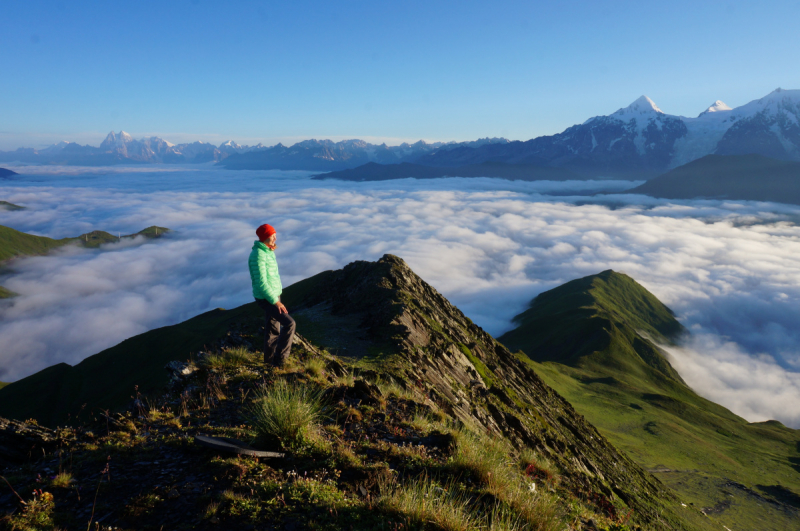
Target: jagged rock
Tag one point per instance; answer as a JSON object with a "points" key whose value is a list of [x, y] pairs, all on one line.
{"points": [[437, 351], [366, 391]]}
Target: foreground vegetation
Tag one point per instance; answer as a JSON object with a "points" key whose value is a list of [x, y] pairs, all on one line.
{"points": [[361, 455], [420, 420]]}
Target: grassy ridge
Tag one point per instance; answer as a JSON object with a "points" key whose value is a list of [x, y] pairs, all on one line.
{"points": [[612, 373], [14, 243], [108, 379], [5, 205], [6, 293]]}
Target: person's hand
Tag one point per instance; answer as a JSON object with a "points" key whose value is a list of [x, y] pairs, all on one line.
{"points": [[281, 308]]}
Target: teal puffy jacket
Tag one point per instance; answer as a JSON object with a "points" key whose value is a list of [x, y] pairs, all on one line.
{"points": [[264, 273]]}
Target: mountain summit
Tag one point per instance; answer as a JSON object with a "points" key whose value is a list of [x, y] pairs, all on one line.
{"points": [[641, 141], [642, 106], [717, 106]]}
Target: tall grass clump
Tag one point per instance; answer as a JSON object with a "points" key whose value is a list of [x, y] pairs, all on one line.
{"points": [[521, 504], [228, 358], [315, 367], [422, 502], [485, 459], [286, 413]]}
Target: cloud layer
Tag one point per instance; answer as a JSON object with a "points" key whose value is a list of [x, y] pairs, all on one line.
{"points": [[731, 271]]}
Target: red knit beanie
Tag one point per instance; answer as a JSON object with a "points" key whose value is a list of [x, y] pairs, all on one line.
{"points": [[264, 232]]}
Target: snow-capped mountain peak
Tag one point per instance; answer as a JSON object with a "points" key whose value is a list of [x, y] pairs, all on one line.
{"points": [[717, 106], [55, 148], [643, 105]]}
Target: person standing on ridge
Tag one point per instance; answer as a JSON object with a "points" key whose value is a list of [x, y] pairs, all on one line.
{"points": [[278, 325]]}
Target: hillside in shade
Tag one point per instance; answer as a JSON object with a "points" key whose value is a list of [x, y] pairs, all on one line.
{"points": [[742, 177], [514, 172]]}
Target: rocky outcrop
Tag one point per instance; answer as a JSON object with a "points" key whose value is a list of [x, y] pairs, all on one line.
{"points": [[429, 346]]}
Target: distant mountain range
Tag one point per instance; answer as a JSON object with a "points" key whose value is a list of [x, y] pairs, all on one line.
{"points": [[326, 155], [641, 139], [637, 141], [320, 155]]}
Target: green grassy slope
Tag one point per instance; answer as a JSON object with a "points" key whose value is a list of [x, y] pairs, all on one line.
{"points": [[5, 205], [3, 384], [612, 373], [107, 379], [14, 243], [6, 293], [750, 177]]}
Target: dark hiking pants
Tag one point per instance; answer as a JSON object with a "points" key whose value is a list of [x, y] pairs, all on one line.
{"points": [[278, 334]]}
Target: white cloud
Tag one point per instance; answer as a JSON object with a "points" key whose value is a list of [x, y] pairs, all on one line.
{"points": [[752, 386], [727, 269]]}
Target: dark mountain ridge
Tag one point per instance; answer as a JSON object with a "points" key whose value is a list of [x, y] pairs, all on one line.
{"points": [[515, 172], [741, 177]]}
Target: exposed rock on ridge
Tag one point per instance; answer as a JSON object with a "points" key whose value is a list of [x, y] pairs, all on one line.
{"points": [[437, 350]]}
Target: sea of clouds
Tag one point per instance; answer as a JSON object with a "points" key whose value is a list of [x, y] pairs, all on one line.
{"points": [[730, 270]]}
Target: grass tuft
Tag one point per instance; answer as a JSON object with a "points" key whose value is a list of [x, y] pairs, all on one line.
{"points": [[287, 413], [229, 358], [424, 503], [62, 480], [315, 367]]}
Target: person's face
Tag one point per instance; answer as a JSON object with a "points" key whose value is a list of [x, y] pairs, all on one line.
{"points": [[272, 239]]}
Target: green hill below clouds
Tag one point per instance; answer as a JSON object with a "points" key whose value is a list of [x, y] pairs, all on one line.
{"points": [[595, 341], [742, 177], [16, 244], [5, 205]]}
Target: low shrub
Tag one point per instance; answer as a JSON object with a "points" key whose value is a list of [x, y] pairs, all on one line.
{"points": [[286, 413]]}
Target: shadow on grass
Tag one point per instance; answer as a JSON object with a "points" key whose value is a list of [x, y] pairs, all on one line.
{"points": [[782, 494]]}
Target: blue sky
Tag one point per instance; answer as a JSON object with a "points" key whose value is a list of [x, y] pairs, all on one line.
{"points": [[285, 71]]}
